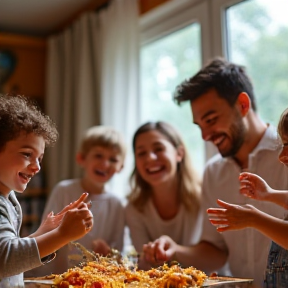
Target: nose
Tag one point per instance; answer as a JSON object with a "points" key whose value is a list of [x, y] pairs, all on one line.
{"points": [[35, 166], [151, 156], [206, 134]]}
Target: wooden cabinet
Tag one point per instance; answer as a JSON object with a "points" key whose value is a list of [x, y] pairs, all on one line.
{"points": [[28, 77]]}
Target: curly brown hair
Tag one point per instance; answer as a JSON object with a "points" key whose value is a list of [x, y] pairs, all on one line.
{"points": [[19, 114]]}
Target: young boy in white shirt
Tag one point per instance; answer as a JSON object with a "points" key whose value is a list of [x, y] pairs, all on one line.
{"points": [[101, 155]]}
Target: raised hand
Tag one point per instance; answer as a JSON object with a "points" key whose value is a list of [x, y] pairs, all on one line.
{"points": [[53, 221], [232, 217], [253, 186], [76, 222]]}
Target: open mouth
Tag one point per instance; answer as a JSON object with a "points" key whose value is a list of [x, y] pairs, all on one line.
{"points": [[26, 177], [155, 170], [100, 173], [218, 140]]}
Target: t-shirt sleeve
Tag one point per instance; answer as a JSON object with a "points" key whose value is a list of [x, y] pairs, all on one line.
{"points": [[137, 229]]}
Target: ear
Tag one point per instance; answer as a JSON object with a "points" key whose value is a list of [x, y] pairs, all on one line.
{"points": [[79, 158], [244, 103], [180, 153]]}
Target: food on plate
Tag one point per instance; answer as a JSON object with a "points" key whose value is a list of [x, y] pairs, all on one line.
{"points": [[106, 272]]}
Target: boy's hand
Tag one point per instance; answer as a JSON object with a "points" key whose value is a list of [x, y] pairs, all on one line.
{"points": [[76, 222], [53, 221], [253, 186], [101, 247]]}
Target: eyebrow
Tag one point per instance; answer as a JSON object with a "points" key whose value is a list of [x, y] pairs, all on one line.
{"points": [[153, 144]]}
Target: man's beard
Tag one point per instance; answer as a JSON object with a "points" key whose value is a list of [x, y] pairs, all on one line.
{"points": [[237, 135]]}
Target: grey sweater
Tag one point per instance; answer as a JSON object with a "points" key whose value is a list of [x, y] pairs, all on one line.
{"points": [[17, 255]]}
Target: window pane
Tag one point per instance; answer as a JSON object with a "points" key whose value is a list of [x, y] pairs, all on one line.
{"points": [[165, 63], [257, 33]]}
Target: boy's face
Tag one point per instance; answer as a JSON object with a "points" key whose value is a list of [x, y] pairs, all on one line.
{"points": [[220, 123], [20, 160], [101, 163]]}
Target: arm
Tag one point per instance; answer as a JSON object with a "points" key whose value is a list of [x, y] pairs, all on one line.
{"points": [[235, 217], [253, 186], [137, 229]]}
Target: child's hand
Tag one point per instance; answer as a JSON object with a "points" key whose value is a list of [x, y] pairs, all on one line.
{"points": [[74, 204], [101, 247], [53, 221], [253, 186], [76, 222], [232, 217]]}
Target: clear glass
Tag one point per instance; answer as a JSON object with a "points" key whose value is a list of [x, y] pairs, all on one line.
{"points": [[257, 33], [165, 63]]}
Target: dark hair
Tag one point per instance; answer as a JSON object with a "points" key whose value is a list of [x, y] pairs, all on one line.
{"points": [[19, 114], [189, 182], [283, 125], [228, 79]]}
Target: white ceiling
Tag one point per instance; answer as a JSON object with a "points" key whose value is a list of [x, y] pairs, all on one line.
{"points": [[36, 17]]}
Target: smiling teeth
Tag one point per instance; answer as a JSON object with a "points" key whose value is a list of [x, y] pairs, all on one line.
{"points": [[155, 169], [218, 140]]}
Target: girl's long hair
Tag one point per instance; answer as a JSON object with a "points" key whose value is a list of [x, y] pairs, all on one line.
{"points": [[188, 180]]}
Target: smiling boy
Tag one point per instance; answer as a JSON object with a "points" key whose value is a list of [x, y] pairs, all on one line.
{"points": [[25, 132], [101, 155]]}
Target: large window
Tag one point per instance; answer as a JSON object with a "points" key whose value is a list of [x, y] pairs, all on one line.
{"points": [[257, 37], [252, 33], [165, 63]]}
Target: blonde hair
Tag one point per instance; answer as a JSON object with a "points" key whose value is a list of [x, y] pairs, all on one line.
{"points": [[189, 182], [283, 125], [102, 136]]}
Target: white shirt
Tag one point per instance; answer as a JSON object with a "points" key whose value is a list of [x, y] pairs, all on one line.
{"points": [[184, 228], [248, 248], [108, 225]]}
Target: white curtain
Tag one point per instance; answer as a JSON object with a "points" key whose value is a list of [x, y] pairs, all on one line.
{"points": [[92, 79]]}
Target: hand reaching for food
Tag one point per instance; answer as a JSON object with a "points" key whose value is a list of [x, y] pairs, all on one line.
{"points": [[159, 251], [101, 247]]}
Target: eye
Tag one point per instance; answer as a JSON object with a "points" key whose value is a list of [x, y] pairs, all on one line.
{"points": [[98, 156], [159, 149], [114, 160], [211, 121], [140, 153], [26, 154]]}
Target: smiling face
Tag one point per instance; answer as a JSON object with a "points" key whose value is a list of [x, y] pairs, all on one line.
{"points": [[220, 123], [156, 158], [100, 164], [20, 160]]}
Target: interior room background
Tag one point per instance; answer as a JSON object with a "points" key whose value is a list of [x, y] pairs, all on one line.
{"points": [[119, 64]]}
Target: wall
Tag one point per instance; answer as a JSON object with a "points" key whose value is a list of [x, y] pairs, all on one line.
{"points": [[29, 75]]}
